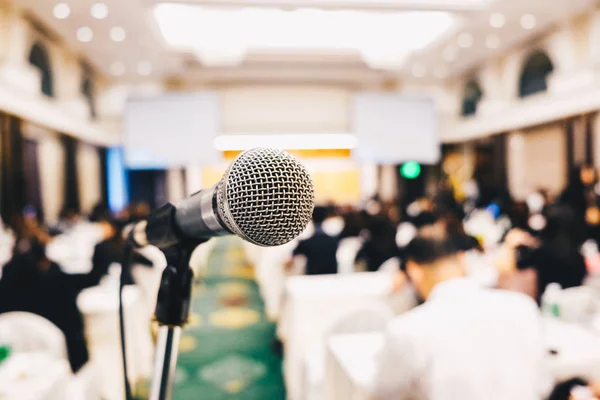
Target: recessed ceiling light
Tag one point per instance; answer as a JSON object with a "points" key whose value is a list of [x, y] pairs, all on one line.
{"points": [[450, 53], [61, 11], [492, 41], [117, 34], [528, 21], [117, 68], [99, 11], [144, 68], [85, 34], [465, 40], [419, 70], [497, 20]]}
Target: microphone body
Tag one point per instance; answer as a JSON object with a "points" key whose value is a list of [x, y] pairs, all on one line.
{"points": [[266, 197]]}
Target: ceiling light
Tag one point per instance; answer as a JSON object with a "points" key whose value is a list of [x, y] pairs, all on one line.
{"points": [[61, 11], [144, 68], [99, 11], [450, 53], [492, 41], [528, 21], [497, 20], [465, 40], [117, 68], [293, 141], [85, 34], [419, 70], [440, 72], [117, 34], [204, 30]]}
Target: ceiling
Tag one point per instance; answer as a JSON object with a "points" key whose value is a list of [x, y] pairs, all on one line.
{"points": [[333, 41]]}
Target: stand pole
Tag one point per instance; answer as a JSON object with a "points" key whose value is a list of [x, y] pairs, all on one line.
{"points": [[166, 362], [172, 311]]}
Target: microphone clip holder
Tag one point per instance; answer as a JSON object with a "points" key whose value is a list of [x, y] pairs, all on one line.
{"points": [[172, 312]]}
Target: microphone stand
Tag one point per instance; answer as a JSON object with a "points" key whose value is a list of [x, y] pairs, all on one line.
{"points": [[172, 311]]}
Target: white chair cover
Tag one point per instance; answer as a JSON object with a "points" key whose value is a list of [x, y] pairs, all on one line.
{"points": [[372, 318], [199, 258], [346, 254], [578, 304], [390, 266], [27, 332]]}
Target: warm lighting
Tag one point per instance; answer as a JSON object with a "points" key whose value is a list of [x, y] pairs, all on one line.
{"points": [[492, 41], [144, 68], [419, 70], [528, 21], [465, 40], [497, 20], [117, 34], [117, 68], [302, 141], [61, 11], [85, 34], [206, 30], [99, 11], [440, 72], [450, 53]]}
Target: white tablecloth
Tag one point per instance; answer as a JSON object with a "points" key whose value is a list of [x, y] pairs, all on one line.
{"points": [[312, 304], [351, 359], [100, 308], [34, 376]]}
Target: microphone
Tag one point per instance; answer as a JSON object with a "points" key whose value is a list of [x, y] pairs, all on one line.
{"points": [[266, 197]]}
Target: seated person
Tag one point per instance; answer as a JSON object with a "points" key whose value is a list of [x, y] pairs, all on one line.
{"points": [[320, 249], [381, 244], [557, 258], [32, 283], [465, 341]]}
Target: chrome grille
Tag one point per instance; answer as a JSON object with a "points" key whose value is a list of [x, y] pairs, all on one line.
{"points": [[266, 196]]}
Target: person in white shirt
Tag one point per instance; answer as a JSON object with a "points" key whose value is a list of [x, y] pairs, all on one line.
{"points": [[466, 342]]}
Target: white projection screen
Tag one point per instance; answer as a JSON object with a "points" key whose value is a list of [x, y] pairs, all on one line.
{"points": [[173, 129], [392, 128]]}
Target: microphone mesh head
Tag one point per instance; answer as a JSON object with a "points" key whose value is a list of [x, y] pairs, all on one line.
{"points": [[266, 197]]}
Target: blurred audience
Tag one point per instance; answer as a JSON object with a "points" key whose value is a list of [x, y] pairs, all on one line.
{"points": [[32, 283]]}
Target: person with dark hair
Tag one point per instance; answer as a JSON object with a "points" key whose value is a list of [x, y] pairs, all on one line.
{"points": [[381, 243], [558, 258], [443, 349], [320, 249], [32, 283], [579, 193]]}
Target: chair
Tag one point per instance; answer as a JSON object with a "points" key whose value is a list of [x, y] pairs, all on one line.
{"points": [[27, 332], [390, 266], [346, 254], [199, 258], [372, 318]]}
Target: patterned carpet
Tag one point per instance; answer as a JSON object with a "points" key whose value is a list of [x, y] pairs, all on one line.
{"points": [[225, 351]]}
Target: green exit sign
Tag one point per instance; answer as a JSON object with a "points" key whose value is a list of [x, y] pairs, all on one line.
{"points": [[410, 170]]}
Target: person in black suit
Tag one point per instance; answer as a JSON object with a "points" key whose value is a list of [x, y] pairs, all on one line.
{"points": [[32, 283], [319, 249]]}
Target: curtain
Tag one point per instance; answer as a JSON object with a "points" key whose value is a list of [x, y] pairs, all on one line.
{"points": [[13, 179], [13, 195], [31, 172], [71, 189], [102, 153], [148, 186]]}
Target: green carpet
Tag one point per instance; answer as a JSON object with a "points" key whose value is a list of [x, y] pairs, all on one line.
{"points": [[225, 351]]}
